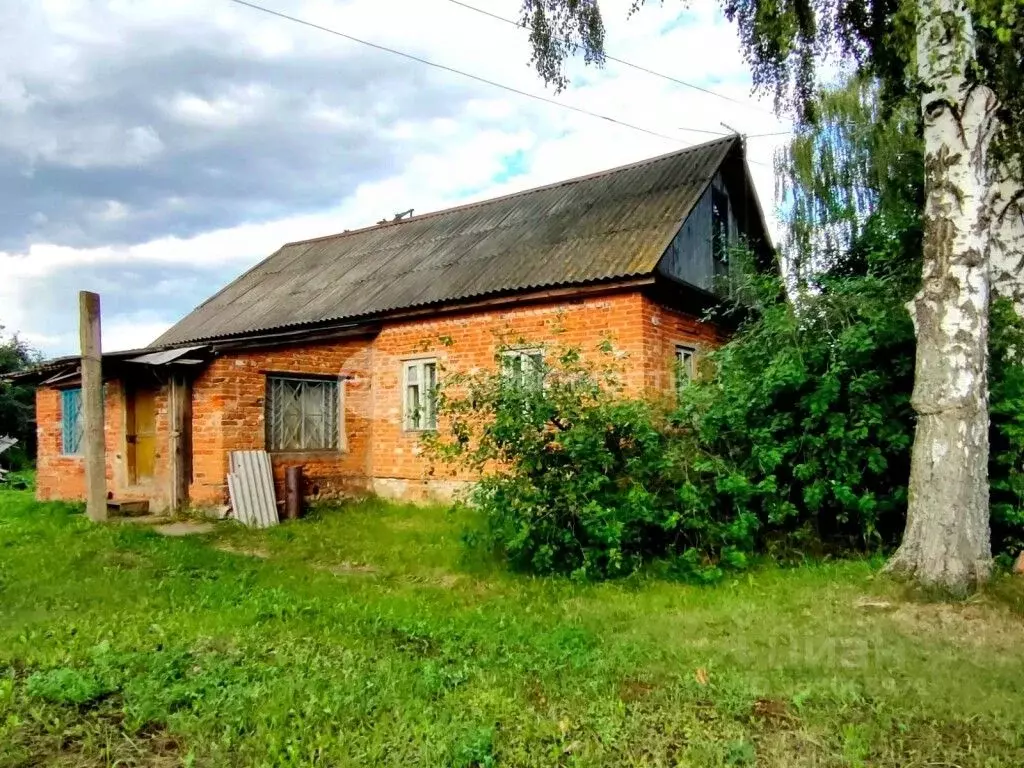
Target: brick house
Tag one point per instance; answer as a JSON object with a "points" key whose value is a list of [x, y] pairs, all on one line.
{"points": [[324, 353]]}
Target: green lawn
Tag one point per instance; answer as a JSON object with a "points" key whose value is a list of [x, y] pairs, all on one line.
{"points": [[364, 637]]}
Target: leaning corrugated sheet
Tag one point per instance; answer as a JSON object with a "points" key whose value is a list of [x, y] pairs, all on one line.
{"points": [[251, 486], [606, 226]]}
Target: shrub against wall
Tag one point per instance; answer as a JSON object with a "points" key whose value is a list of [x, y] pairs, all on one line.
{"points": [[795, 438], [809, 415], [808, 411], [577, 478]]}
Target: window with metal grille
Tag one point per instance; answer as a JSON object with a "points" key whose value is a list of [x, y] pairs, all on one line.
{"points": [[303, 414], [72, 427], [420, 387], [523, 367], [685, 357]]}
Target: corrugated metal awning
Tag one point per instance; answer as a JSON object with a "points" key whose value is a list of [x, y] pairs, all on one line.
{"points": [[168, 356]]}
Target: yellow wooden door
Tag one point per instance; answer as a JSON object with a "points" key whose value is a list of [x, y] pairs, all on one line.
{"points": [[141, 434]]}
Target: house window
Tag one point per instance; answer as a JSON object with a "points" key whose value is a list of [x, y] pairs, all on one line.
{"points": [[72, 427], [523, 367], [720, 231], [420, 388], [684, 363], [303, 414]]}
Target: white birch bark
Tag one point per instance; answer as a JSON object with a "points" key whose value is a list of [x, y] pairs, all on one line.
{"points": [[1007, 255], [947, 542]]}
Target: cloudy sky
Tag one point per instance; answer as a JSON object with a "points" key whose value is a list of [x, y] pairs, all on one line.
{"points": [[153, 150]]}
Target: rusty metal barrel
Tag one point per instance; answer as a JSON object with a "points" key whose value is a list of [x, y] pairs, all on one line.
{"points": [[293, 487]]}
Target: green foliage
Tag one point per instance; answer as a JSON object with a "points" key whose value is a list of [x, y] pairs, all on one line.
{"points": [[846, 178], [21, 480], [17, 402], [999, 25], [66, 686], [786, 42], [1006, 433], [808, 416], [811, 408], [588, 482], [796, 439]]}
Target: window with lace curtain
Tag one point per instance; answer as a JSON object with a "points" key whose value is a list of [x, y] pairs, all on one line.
{"points": [[420, 395], [685, 357], [303, 414], [523, 367]]}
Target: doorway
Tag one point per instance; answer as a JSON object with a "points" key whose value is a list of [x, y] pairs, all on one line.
{"points": [[140, 434]]}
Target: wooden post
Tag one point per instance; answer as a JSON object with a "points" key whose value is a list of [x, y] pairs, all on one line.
{"points": [[93, 446], [181, 440]]}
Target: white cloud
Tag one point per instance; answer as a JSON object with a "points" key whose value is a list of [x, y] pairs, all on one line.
{"points": [[427, 162]]}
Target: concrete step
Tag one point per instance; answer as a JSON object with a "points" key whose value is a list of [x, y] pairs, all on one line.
{"points": [[127, 507]]}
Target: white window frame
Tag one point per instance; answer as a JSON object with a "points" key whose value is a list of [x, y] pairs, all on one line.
{"points": [[684, 362], [339, 382], [531, 356], [424, 417]]}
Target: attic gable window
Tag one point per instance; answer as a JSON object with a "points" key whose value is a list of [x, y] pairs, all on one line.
{"points": [[420, 395], [303, 414], [72, 427]]}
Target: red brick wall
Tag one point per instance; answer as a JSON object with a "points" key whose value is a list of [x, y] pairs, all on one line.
{"points": [[228, 400], [663, 329], [470, 341], [63, 477], [57, 476], [228, 414]]}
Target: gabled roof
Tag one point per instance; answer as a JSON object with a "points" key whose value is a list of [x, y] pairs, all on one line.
{"points": [[606, 226]]}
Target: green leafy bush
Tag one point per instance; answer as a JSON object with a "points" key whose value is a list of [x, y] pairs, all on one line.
{"points": [[809, 416], [808, 413], [795, 440], [1006, 431], [588, 482]]}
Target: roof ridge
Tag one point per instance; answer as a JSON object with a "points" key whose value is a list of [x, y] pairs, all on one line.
{"points": [[513, 195]]}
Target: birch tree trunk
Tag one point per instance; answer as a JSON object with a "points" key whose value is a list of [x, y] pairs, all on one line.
{"points": [[947, 543], [1007, 255]]}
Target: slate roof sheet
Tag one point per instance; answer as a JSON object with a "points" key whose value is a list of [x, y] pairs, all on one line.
{"points": [[610, 225]]}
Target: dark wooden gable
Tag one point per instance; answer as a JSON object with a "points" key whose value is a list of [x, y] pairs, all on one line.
{"points": [[726, 214]]}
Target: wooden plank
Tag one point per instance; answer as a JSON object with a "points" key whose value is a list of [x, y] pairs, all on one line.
{"points": [[180, 416], [131, 508], [145, 434], [93, 446]]}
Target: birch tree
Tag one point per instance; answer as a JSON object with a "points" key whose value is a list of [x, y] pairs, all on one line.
{"points": [[1000, 53], [947, 539], [1007, 254], [970, 217]]}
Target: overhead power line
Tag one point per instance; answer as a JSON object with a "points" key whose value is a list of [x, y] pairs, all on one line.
{"points": [[630, 64], [763, 135], [471, 76]]}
